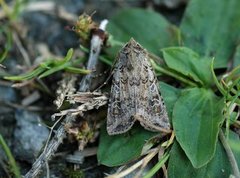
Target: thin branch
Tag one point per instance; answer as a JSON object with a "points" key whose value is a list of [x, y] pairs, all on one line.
{"points": [[96, 102], [50, 150], [230, 155], [22, 50], [61, 134]]}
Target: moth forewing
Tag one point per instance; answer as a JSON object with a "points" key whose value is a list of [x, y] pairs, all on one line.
{"points": [[135, 94]]}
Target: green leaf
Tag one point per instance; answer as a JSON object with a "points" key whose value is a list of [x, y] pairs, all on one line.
{"points": [[188, 63], [77, 70], [149, 28], [170, 95], [49, 67], [59, 64], [53, 70], [68, 56], [197, 116], [120, 149], [218, 167], [211, 28], [27, 76]]}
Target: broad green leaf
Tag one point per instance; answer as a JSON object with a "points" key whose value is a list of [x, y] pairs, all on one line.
{"points": [[120, 149], [211, 28], [218, 167], [148, 28], [170, 96], [197, 116], [188, 63]]}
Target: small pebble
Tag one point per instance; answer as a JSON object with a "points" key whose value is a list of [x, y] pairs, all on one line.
{"points": [[29, 136]]}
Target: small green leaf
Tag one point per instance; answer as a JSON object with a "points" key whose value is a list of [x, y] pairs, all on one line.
{"points": [[68, 56], [211, 28], [53, 70], [170, 96], [26, 76], [120, 149], [188, 63], [77, 70], [149, 28], [46, 68], [197, 116]]}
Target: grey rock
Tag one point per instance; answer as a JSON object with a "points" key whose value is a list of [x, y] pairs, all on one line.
{"points": [[7, 120], [29, 136], [7, 94]]}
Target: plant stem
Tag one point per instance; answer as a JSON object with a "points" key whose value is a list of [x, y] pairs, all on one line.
{"points": [[95, 49], [230, 155], [169, 73]]}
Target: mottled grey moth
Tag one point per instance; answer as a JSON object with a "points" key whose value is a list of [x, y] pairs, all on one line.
{"points": [[134, 93]]}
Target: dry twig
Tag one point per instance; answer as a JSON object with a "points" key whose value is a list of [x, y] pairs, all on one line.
{"points": [[66, 87], [60, 135], [96, 45], [95, 102]]}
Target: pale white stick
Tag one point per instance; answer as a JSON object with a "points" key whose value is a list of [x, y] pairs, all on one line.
{"points": [[95, 49]]}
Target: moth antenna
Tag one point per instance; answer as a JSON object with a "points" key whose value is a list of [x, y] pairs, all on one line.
{"points": [[94, 12], [111, 73]]}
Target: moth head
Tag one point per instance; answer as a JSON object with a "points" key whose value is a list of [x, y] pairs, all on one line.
{"points": [[131, 54]]}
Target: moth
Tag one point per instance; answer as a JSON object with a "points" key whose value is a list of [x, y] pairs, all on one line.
{"points": [[135, 94]]}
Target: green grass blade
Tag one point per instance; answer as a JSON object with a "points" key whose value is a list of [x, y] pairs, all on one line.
{"points": [[157, 166], [53, 70], [58, 65], [77, 70], [26, 76], [8, 46], [14, 168], [220, 88], [69, 55]]}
